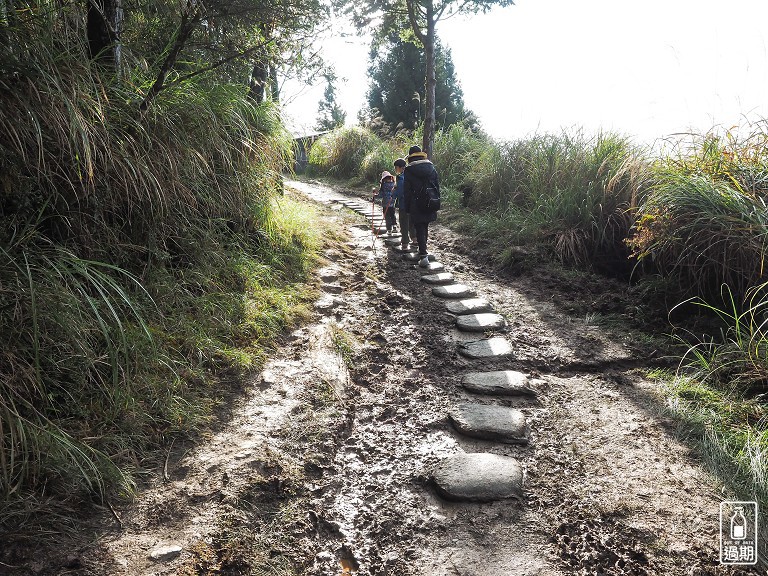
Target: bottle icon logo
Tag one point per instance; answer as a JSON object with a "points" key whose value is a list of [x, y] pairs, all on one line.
{"points": [[738, 524], [738, 533]]}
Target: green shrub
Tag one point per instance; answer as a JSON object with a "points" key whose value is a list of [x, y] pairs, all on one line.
{"points": [[340, 153]]}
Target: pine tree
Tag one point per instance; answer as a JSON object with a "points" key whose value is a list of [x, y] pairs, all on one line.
{"points": [[396, 94], [423, 16], [330, 113]]}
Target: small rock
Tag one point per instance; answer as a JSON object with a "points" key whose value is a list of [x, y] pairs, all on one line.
{"points": [[441, 278], [268, 377], [490, 422], [414, 257], [165, 553], [433, 267], [503, 382]]}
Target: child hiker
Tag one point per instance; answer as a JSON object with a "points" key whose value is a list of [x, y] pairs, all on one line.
{"points": [[407, 231], [387, 194]]}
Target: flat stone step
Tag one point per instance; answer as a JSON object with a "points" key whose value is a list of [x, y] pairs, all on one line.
{"points": [[327, 302], [496, 347], [469, 306], [438, 279], [490, 422], [392, 240], [480, 322], [414, 257], [433, 267], [333, 288], [500, 382], [453, 291], [479, 477]]}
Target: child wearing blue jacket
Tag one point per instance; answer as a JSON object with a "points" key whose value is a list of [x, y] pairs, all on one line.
{"points": [[388, 200]]}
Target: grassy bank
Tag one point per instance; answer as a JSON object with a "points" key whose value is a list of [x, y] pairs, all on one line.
{"points": [[147, 262]]}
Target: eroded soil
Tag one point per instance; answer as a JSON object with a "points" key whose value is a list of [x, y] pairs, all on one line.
{"points": [[323, 466]]}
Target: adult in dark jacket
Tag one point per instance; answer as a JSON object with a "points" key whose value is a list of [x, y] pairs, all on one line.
{"points": [[419, 172]]}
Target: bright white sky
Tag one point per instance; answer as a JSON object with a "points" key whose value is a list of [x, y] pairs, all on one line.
{"points": [[643, 68]]}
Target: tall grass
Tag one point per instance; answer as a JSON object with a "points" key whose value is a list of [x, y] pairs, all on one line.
{"points": [[704, 221], [730, 431], [143, 261], [719, 390], [736, 357], [456, 153], [574, 194]]}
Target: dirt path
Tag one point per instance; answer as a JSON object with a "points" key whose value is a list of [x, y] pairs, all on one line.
{"points": [[324, 466]]}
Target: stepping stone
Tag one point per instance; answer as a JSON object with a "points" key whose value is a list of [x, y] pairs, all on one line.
{"points": [[433, 267], [502, 382], [469, 306], [453, 291], [480, 322], [479, 477], [441, 278], [166, 553], [489, 348], [490, 422], [414, 257], [394, 241], [327, 302]]}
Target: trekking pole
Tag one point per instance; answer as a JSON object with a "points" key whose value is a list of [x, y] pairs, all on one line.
{"points": [[373, 225]]}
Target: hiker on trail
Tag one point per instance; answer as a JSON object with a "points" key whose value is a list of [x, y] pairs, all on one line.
{"points": [[387, 194], [407, 231], [421, 187]]}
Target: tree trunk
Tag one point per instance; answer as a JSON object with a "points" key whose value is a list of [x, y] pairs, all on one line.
{"points": [[259, 77], [430, 83], [188, 22], [273, 83], [260, 71], [103, 26]]}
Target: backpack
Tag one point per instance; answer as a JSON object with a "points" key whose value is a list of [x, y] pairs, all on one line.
{"points": [[427, 198]]}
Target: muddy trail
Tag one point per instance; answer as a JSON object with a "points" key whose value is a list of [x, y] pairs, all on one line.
{"points": [[332, 461]]}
